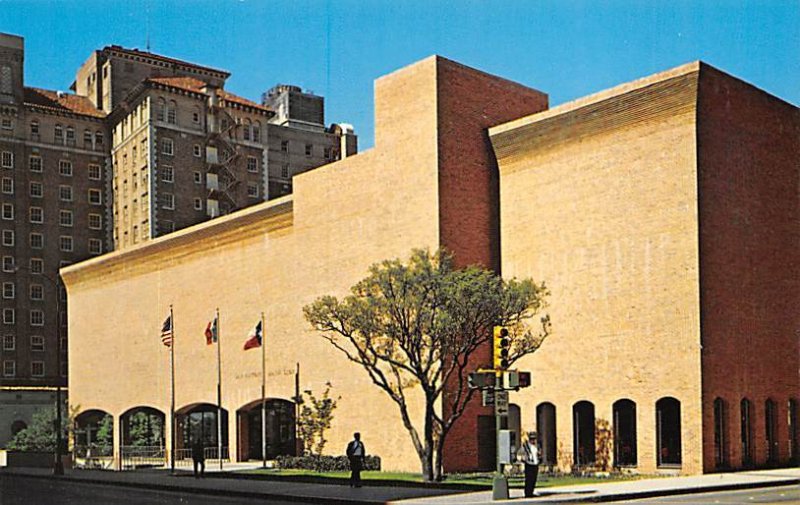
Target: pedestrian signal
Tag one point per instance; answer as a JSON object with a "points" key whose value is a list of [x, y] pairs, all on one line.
{"points": [[480, 380], [502, 344], [524, 379]]}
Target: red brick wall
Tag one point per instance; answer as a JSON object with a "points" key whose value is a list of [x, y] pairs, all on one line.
{"points": [[469, 102], [749, 215]]}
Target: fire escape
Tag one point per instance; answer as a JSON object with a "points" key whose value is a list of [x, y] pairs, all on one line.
{"points": [[222, 155]]}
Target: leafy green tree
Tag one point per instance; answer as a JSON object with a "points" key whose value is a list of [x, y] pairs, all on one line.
{"points": [[421, 327], [316, 415], [145, 430], [40, 435], [105, 431]]}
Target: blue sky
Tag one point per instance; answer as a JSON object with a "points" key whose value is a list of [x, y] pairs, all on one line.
{"points": [[566, 48]]}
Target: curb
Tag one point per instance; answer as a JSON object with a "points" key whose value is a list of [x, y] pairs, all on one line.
{"points": [[206, 491], [681, 491]]}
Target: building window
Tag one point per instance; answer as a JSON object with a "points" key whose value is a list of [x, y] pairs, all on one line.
{"points": [[143, 149], [37, 317], [167, 201], [196, 116], [96, 246], [37, 368], [167, 226], [94, 172], [246, 130], [8, 237], [327, 153], [65, 243], [256, 132], [36, 215], [35, 163], [546, 426], [720, 434], [9, 342], [9, 368], [668, 431], [65, 193], [6, 124], [172, 112], [285, 146], [309, 149], [9, 316], [198, 178], [583, 438], [198, 204], [34, 130], [65, 218], [252, 190], [95, 221], [624, 412], [285, 171], [197, 151], [87, 139], [36, 190], [37, 292], [98, 138], [167, 174], [9, 290], [37, 265], [161, 109], [7, 159], [8, 211], [65, 168], [58, 134], [252, 164], [95, 197], [167, 147], [771, 425], [8, 185], [37, 241], [37, 343], [70, 136]]}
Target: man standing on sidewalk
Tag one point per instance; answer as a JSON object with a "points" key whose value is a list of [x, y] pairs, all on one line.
{"points": [[199, 458], [356, 454], [529, 454]]}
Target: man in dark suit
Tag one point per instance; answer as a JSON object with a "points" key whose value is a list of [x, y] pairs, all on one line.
{"points": [[199, 458], [356, 454]]}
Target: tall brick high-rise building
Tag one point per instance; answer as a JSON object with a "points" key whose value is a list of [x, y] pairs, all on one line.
{"points": [[146, 145]]}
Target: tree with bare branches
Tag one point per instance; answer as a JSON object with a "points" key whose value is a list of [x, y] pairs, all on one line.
{"points": [[416, 325]]}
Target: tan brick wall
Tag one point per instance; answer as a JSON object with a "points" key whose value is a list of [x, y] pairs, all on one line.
{"points": [[608, 219]]}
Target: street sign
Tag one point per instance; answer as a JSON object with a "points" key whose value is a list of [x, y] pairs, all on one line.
{"points": [[488, 397], [501, 403]]}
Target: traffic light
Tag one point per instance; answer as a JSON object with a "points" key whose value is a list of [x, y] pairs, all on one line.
{"points": [[524, 379], [501, 348]]}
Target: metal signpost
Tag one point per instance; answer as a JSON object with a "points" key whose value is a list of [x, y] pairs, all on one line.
{"points": [[494, 385]]}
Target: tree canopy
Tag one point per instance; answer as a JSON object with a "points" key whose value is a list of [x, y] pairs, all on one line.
{"points": [[417, 326]]}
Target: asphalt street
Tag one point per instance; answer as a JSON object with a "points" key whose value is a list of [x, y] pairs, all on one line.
{"points": [[18, 490], [783, 495]]}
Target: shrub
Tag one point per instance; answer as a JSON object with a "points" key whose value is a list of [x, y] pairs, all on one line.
{"points": [[325, 463]]}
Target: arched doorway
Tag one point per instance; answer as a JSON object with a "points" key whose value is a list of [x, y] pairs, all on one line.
{"points": [[625, 453], [668, 431], [17, 426], [280, 427], [143, 441], [720, 434], [583, 439], [94, 438], [745, 410], [771, 421], [546, 428], [198, 421]]}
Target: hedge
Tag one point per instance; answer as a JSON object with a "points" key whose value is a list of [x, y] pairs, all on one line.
{"points": [[325, 463]]}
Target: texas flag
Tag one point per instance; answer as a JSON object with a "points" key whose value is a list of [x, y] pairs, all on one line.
{"points": [[211, 332], [254, 339]]}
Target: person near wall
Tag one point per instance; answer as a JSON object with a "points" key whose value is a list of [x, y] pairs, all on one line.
{"points": [[356, 454], [529, 455], [199, 458]]}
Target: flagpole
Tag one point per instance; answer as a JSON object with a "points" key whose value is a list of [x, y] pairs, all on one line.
{"points": [[172, 394], [219, 395], [263, 396]]}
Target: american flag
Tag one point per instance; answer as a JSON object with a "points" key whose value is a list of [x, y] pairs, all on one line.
{"points": [[166, 331]]}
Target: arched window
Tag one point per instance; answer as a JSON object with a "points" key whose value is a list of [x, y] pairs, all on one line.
{"points": [[161, 109], [625, 433], [98, 137], [172, 112], [771, 425], [246, 129], [70, 136], [720, 434], [87, 139], [256, 131], [546, 428], [668, 431], [583, 439], [746, 412], [58, 134]]}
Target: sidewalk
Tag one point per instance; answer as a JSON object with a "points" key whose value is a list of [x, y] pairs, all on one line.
{"points": [[629, 490], [220, 484]]}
